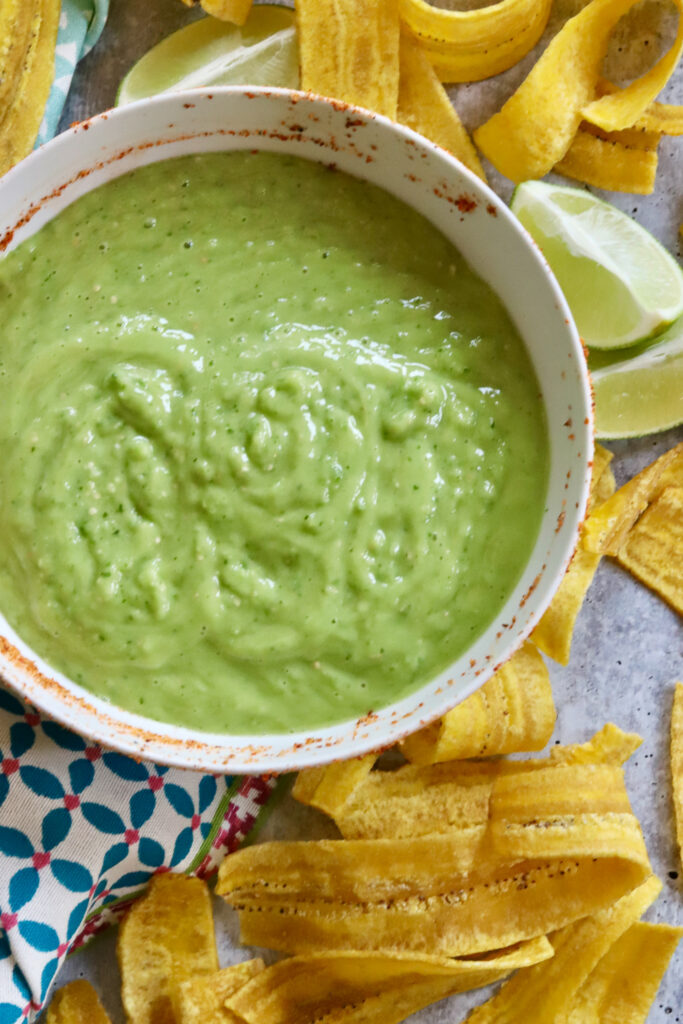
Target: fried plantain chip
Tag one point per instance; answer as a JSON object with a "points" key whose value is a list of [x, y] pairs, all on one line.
{"points": [[666, 118], [553, 634], [618, 161], [677, 763], [466, 46], [166, 938], [236, 11], [542, 993], [623, 107], [350, 51], [76, 1003], [422, 800], [330, 787], [16, 17], [653, 548], [609, 746], [606, 528], [21, 121], [624, 984], [454, 894], [201, 999], [511, 712], [424, 105], [372, 987], [536, 126]]}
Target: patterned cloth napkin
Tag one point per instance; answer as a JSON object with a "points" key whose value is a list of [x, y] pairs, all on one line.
{"points": [[80, 26], [83, 829]]}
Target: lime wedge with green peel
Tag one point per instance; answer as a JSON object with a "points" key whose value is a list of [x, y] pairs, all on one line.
{"points": [[263, 51], [643, 393], [622, 286]]}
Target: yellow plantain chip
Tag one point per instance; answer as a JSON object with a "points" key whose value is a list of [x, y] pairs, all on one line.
{"points": [[166, 938], [617, 161], [466, 46], [666, 118], [677, 763], [512, 711], [201, 999], [76, 1003], [236, 11], [602, 477], [424, 105], [553, 634], [373, 987], [22, 119], [350, 51], [623, 986], [425, 799], [653, 548], [542, 993], [609, 746], [536, 126], [330, 787], [558, 792], [16, 17], [454, 894], [606, 528], [623, 107]]}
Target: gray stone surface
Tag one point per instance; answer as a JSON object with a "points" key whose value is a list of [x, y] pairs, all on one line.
{"points": [[628, 647]]}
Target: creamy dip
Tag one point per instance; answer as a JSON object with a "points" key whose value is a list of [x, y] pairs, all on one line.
{"points": [[272, 455]]}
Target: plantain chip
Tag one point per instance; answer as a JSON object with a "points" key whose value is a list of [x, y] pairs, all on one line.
{"points": [[677, 763], [458, 893], [553, 634], [16, 17], [424, 105], [76, 1003], [653, 548], [542, 993], [350, 51], [330, 787], [623, 986], [607, 528], [372, 987], [623, 107], [201, 999], [666, 118], [422, 800], [619, 161], [608, 746], [236, 11], [467, 46], [512, 711], [536, 126], [22, 117], [166, 938]]}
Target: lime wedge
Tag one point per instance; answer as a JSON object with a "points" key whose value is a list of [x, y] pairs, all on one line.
{"points": [[621, 285], [643, 393], [263, 51]]}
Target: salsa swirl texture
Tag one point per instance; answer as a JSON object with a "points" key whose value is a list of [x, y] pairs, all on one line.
{"points": [[273, 456]]}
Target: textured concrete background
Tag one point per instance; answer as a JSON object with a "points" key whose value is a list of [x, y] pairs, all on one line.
{"points": [[628, 646]]}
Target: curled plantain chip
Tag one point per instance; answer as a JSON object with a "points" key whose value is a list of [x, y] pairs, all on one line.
{"points": [[236, 11], [467, 46], [373, 987], [201, 999], [535, 127], [513, 711], [620, 161], [653, 548]]}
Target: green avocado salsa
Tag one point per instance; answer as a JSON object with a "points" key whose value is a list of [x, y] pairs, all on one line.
{"points": [[272, 455]]}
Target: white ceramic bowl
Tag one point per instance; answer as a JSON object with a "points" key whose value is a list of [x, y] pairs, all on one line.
{"points": [[495, 245]]}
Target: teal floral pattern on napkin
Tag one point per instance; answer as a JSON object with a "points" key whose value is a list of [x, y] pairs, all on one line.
{"points": [[80, 26]]}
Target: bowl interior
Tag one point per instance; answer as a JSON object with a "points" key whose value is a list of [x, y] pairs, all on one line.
{"points": [[495, 246]]}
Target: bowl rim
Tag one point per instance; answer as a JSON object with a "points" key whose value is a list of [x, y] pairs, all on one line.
{"points": [[141, 737]]}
